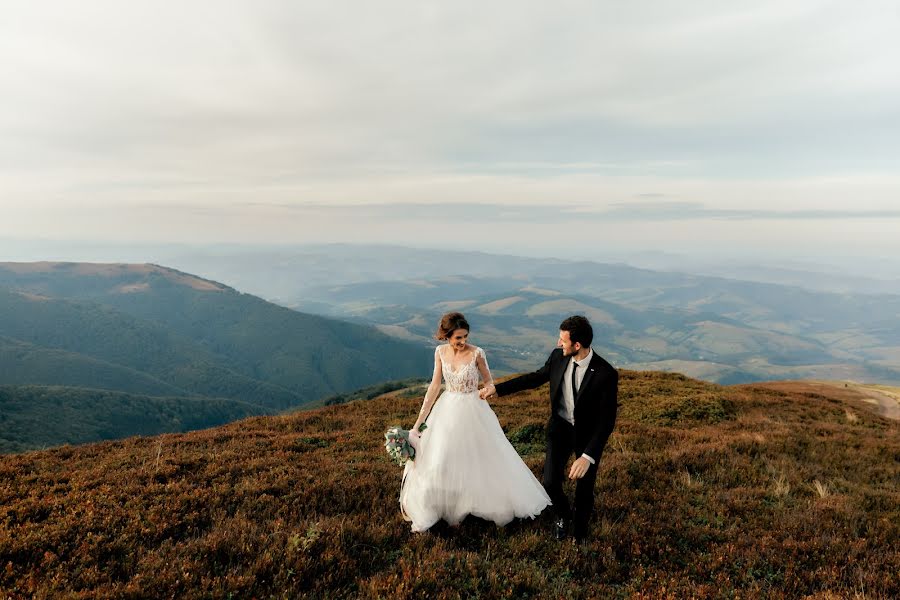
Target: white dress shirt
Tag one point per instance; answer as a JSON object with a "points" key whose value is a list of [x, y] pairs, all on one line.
{"points": [[567, 408]]}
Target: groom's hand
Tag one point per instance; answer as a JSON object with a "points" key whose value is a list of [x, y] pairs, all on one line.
{"points": [[579, 468]]}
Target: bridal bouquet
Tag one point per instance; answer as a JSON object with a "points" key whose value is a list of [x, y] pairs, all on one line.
{"points": [[398, 445]]}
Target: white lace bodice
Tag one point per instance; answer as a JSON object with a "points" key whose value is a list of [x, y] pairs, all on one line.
{"points": [[465, 377]]}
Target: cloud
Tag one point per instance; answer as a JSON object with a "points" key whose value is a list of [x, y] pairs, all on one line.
{"points": [[297, 89], [119, 115], [555, 213], [687, 211]]}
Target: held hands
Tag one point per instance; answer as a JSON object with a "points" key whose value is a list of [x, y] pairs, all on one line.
{"points": [[579, 468], [488, 391]]}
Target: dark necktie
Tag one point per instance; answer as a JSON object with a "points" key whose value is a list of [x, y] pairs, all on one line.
{"points": [[574, 381]]}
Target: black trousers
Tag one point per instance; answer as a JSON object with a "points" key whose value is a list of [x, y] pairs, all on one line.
{"points": [[560, 447]]}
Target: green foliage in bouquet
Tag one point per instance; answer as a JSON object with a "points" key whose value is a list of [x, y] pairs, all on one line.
{"points": [[398, 445]]}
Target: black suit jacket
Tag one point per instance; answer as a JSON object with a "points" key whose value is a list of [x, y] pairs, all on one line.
{"points": [[595, 405]]}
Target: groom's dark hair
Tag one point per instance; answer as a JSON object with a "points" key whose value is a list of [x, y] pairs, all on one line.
{"points": [[579, 329]]}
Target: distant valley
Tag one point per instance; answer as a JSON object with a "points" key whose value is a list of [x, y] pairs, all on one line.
{"points": [[126, 338], [719, 329], [520, 327]]}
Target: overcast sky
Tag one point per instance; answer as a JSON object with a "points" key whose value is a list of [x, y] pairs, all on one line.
{"points": [[710, 124]]}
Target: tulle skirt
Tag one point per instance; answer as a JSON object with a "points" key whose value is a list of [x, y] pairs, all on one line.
{"points": [[465, 466]]}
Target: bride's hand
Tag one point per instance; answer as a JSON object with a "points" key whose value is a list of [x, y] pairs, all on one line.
{"points": [[488, 391]]}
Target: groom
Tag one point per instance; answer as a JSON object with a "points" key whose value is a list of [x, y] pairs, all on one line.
{"points": [[583, 390]]}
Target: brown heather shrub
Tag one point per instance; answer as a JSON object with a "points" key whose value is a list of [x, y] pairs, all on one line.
{"points": [[704, 491]]}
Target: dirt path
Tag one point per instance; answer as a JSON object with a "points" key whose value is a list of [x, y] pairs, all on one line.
{"points": [[885, 400]]}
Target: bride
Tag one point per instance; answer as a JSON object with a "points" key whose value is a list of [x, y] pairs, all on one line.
{"points": [[464, 464]]}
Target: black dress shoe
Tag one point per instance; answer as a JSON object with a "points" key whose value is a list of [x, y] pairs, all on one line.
{"points": [[561, 529]]}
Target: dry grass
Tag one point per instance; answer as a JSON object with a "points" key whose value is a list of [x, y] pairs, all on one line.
{"points": [[691, 503], [781, 486], [686, 480], [821, 489]]}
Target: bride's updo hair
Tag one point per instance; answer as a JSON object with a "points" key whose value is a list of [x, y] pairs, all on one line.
{"points": [[450, 323]]}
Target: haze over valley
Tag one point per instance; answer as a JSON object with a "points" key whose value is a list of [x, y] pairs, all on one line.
{"points": [[718, 328], [104, 350]]}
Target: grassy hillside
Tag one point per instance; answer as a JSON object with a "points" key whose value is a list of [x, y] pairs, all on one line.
{"points": [[40, 416], [704, 491]]}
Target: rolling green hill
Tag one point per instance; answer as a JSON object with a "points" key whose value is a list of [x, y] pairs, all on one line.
{"points": [[153, 331], [33, 417], [704, 491], [85, 329], [191, 332], [24, 363]]}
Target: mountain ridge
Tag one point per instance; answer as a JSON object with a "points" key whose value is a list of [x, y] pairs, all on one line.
{"points": [[149, 330], [229, 327]]}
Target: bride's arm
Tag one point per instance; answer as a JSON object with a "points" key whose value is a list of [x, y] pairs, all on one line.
{"points": [[433, 389], [486, 377]]}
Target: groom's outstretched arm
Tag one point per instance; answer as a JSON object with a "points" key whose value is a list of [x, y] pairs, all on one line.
{"points": [[527, 381]]}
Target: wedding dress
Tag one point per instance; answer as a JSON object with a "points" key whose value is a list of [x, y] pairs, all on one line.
{"points": [[464, 464]]}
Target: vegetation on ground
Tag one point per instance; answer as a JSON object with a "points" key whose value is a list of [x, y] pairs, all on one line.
{"points": [[703, 491]]}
